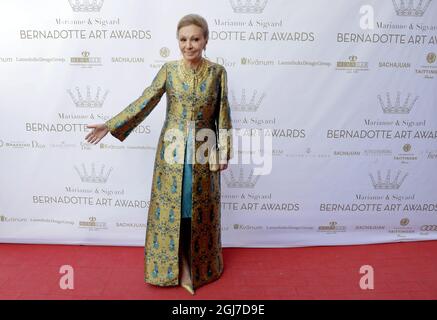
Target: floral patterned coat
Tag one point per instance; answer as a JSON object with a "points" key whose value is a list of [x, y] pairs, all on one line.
{"points": [[198, 98]]}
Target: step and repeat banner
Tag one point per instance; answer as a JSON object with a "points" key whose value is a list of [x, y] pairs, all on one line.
{"points": [[345, 92]]}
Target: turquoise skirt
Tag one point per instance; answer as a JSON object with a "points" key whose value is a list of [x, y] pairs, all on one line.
{"points": [[187, 179]]}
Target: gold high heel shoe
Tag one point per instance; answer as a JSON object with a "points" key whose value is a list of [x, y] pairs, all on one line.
{"points": [[188, 287], [186, 283]]}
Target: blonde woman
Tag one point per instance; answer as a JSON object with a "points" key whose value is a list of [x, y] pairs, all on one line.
{"points": [[183, 236]]}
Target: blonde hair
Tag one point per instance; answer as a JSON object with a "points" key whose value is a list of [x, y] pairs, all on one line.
{"points": [[195, 19]]}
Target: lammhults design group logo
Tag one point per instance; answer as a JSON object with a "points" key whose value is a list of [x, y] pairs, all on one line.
{"points": [[388, 183], [86, 5], [244, 105], [93, 177], [411, 8], [396, 108], [248, 6], [88, 101]]}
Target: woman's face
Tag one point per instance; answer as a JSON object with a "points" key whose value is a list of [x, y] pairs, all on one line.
{"points": [[191, 42]]}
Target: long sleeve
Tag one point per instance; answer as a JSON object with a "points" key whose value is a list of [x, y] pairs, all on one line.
{"points": [[122, 124], [224, 122]]}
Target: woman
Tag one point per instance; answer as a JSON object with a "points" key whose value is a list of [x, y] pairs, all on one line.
{"points": [[183, 237]]}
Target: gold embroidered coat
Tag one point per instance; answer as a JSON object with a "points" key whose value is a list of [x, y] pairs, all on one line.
{"points": [[197, 97]]}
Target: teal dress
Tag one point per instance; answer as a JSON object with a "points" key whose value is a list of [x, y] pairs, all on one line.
{"points": [[187, 182]]}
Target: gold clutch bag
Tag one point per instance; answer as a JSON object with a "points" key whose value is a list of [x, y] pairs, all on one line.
{"points": [[213, 159]]}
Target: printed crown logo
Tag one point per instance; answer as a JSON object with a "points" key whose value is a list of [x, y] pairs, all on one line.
{"points": [[93, 177], [388, 183], [244, 105], [248, 6], [242, 182], [88, 101], [397, 108], [411, 8], [86, 5]]}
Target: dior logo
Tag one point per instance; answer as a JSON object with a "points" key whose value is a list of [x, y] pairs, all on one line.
{"points": [[396, 108], [411, 8], [86, 5], [244, 105], [93, 177], [88, 101], [242, 182], [388, 183], [248, 6]]}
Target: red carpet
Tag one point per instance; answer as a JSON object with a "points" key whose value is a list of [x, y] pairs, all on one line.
{"points": [[401, 271]]}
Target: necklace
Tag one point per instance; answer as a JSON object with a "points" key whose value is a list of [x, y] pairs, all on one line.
{"points": [[189, 73]]}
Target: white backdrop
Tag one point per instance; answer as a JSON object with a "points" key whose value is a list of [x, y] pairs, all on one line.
{"points": [[346, 88]]}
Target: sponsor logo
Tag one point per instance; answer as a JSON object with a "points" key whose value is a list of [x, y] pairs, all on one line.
{"points": [[164, 52], [246, 227], [86, 61], [6, 219], [352, 65], [430, 70], [92, 224], [428, 227], [333, 227]]}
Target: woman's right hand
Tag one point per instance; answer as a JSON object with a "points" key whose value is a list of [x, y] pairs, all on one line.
{"points": [[99, 131]]}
